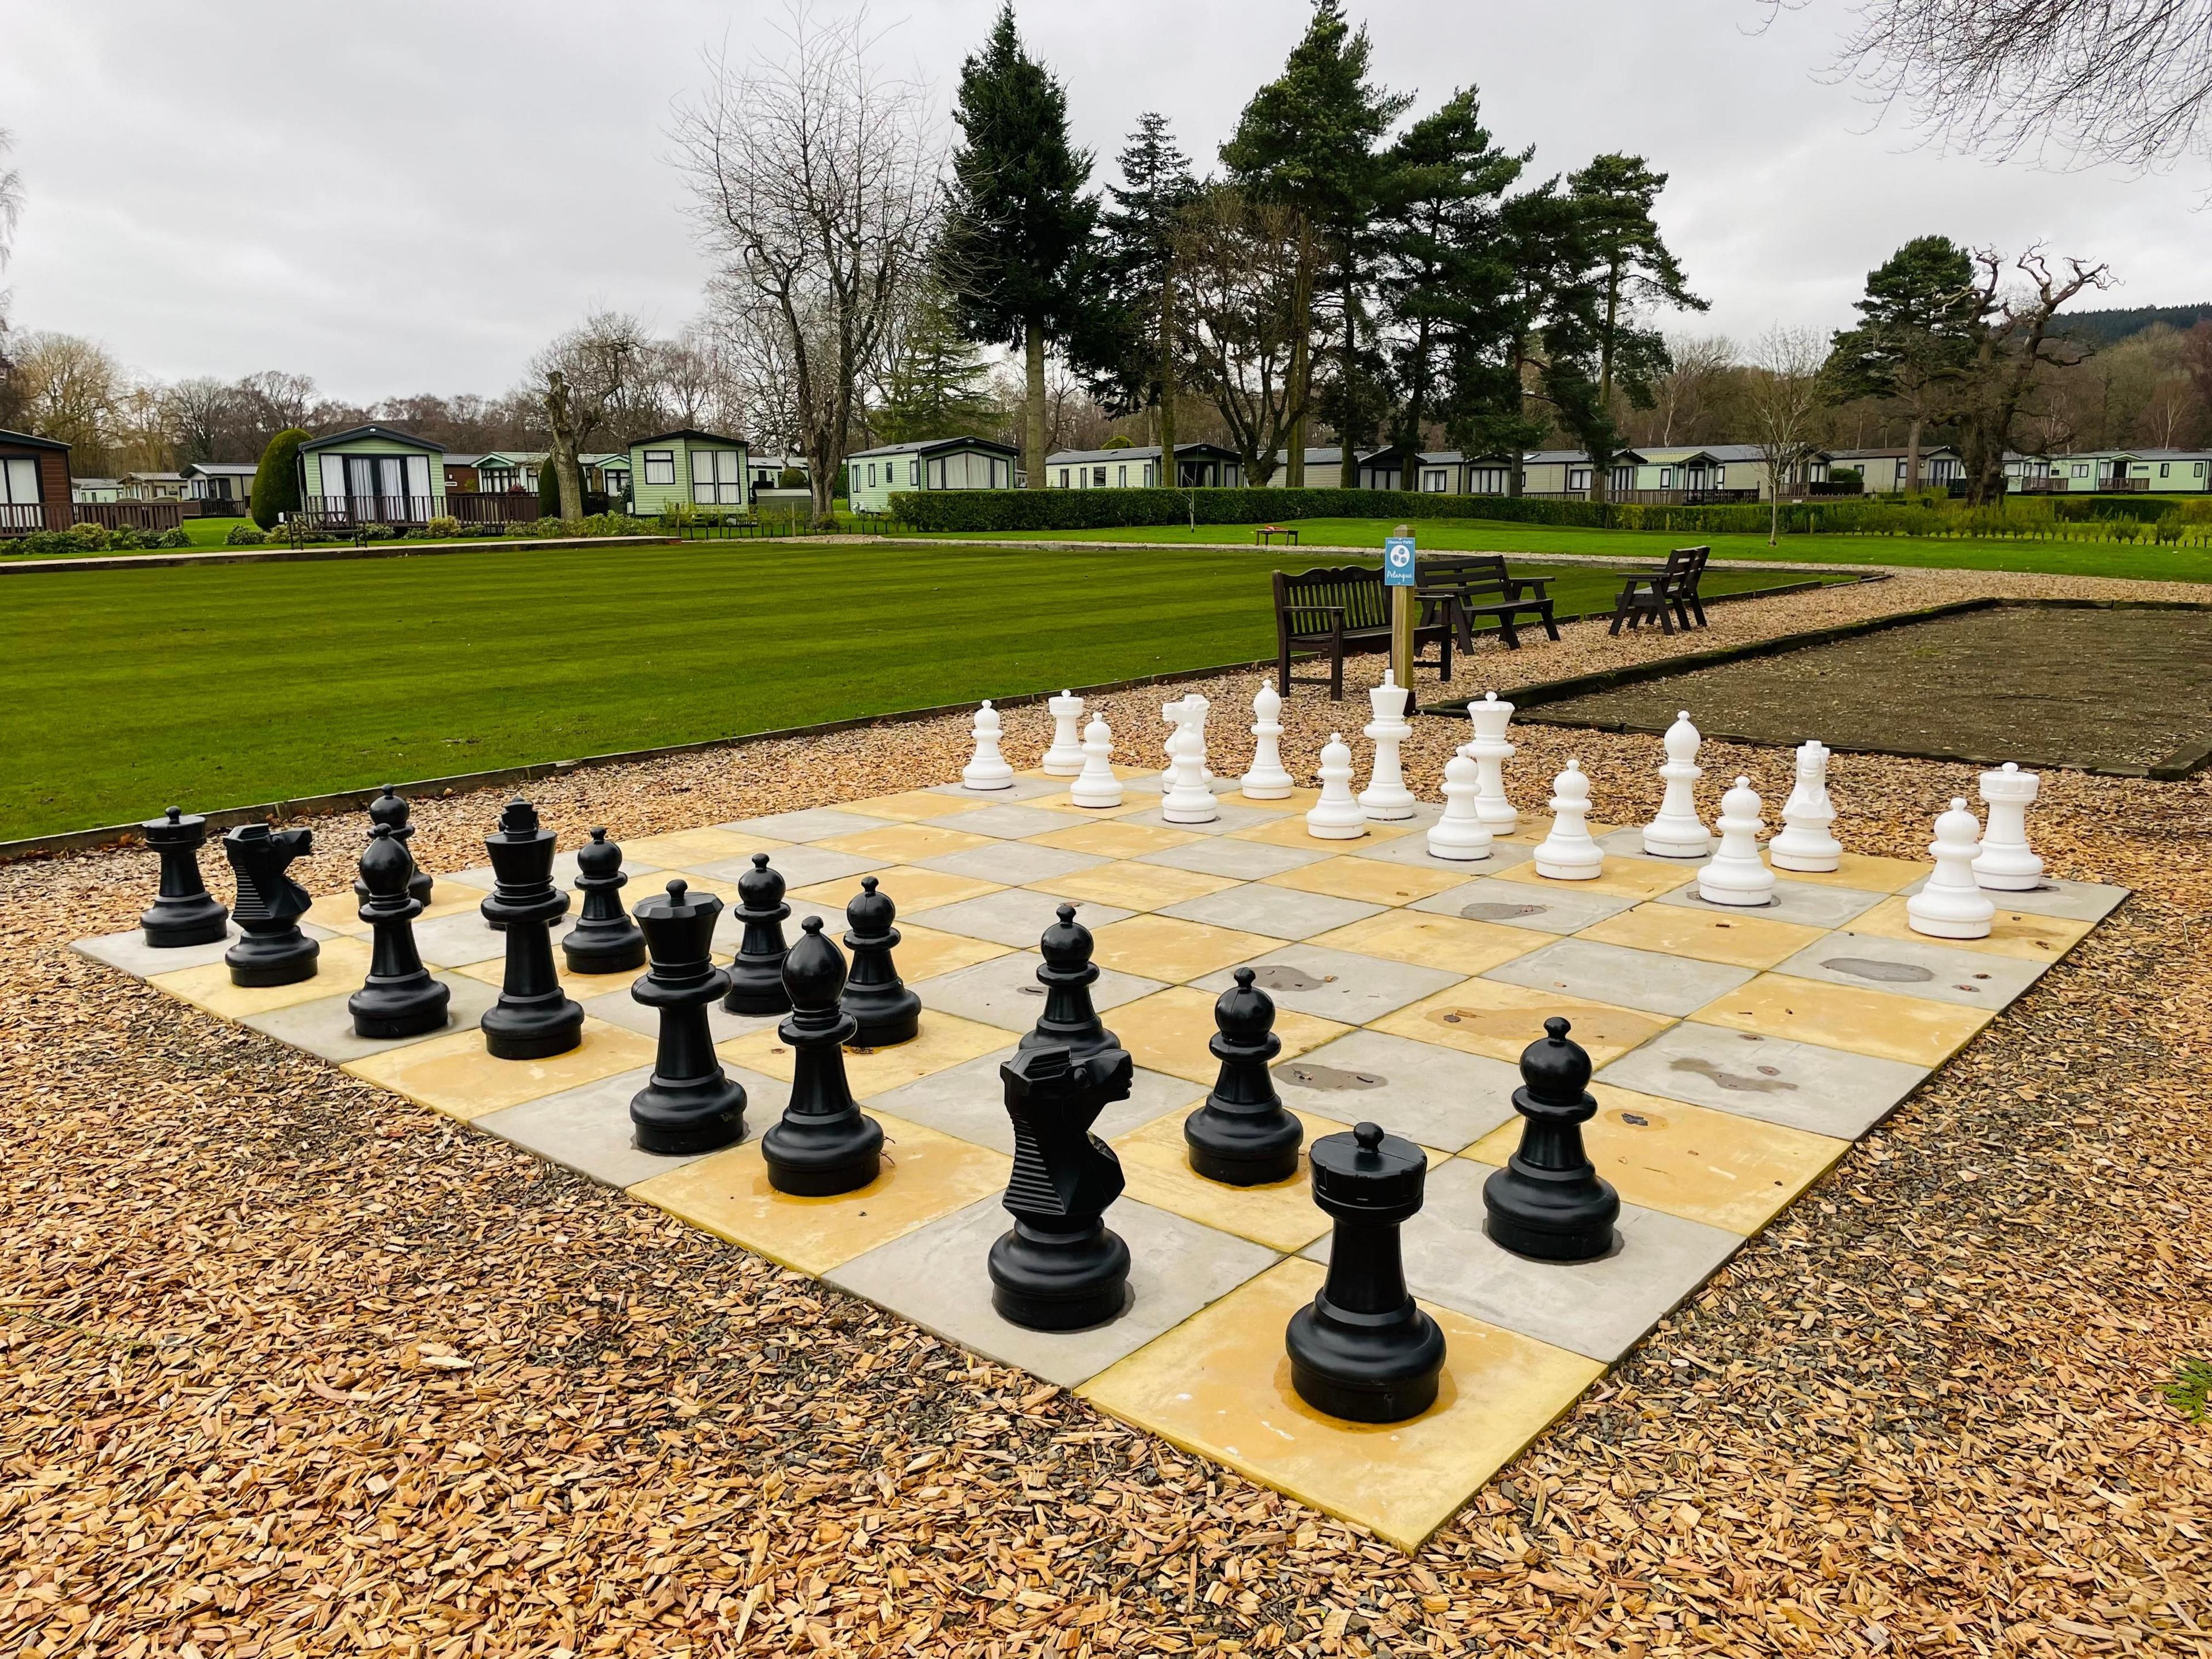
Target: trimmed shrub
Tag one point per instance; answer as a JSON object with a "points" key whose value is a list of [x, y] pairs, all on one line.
{"points": [[46, 545], [442, 527], [549, 492], [174, 537], [89, 538], [244, 535], [276, 480]]}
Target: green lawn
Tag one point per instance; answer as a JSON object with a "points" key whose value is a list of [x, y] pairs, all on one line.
{"points": [[2145, 563], [222, 685]]}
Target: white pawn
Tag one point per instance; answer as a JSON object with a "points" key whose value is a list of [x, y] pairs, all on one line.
{"points": [[1951, 903], [1065, 758], [1676, 831], [1187, 800], [1267, 780], [1386, 796], [1736, 873], [989, 769], [2007, 863], [1336, 815], [1804, 842], [1460, 834], [1098, 786], [1567, 852], [1491, 752]]}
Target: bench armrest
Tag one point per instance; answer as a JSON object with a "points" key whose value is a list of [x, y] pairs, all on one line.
{"points": [[1329, 615]]}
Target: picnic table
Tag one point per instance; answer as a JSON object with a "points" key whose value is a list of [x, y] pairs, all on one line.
{"points": [[1266, 534], [1670, 595]]}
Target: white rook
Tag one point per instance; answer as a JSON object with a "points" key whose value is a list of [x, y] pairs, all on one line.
{"points": [[2006, 861], [1065, 758]]}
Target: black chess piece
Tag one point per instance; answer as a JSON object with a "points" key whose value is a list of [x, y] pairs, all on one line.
{"points": [[1068, 1020], [399, 999], [533, 1017], [1060, 1269], [756, 976], [689, 1104], [605, 940], [1549, 1201], [391, 808], [1243, 1135], [269, 905], [1362, 1350], [883, 1009], [185, 912], [822, 1145]]}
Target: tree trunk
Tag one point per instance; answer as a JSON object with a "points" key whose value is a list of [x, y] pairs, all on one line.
{"points": [[1912, 453], [1294, 468], [1033, 416], [1774, 518], [1347, 471], [822, 466], [1600, 482], [1170, 476]]}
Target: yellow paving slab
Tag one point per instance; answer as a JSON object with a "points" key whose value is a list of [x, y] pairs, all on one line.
{"points": [[1487, 1016], [340, 966], [341, 912], [1868, 875], [906, 843], [683, 848], [911, 890], [1298, 801], [926, 1175], [1218, 1385], [1451, 943], [1167, 1031], [578, 986], [943, 1039], [1108, 840], [1910, 1028], [923, 953], [1675, 930], [1290, 830], [1063, 804], [1282, 1215], [1163, 947], [1630, 877], [1371, 881], [1727, 1171], [2012, 933], [453, 1074], [910, 805], [1134, 886], [1536, 824]]}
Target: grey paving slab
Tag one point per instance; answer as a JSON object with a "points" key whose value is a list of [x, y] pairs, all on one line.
{"points": [[1278, 912], [815, 823], [1629, 844], [1916, 967], [2072, 901], [621, 1008], [1597, 1309], [1013, 862], [1004, 991], [1008, 821], [1551, 909], [130, 952], [325, 1027], [1805, 903], [1649, 980], [476, 875], [587, 1129], [464, 936], [969, 1100], [938, 1276], [1800, 1086], [1015, 917], [1155, 783], [1243, 860], [1414, 850], [1435, 1096], [800, 867], [1228, 816], [1021, 789], [1336, 984]]}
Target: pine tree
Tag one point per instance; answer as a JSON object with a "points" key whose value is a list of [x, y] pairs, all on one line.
{"points": [[1139, 259], [1015, 253], [936, 385], [1912, 343]]}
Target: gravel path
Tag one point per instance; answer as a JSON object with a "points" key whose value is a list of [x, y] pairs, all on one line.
{"points": [[289, 1366]]}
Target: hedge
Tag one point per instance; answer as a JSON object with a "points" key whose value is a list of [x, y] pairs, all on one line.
{"points": [[276, 480]]}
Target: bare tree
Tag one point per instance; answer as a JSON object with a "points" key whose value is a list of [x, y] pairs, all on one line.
{"points": [[1685, 397], [607, 364], [1783, 405], [816, 181], [278, 402], [2013, 349], [74, 390], [200, 414], [1245, 265], [11, 213]]}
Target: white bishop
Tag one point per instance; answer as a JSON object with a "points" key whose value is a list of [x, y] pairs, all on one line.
{"points": [[1676, 831], [1267, 780]]}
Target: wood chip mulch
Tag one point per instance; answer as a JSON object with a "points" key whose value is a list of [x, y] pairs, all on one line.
{"points": [[289, 1366]]}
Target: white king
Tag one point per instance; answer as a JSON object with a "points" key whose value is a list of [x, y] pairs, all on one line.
{"points": [[1386, 795]]}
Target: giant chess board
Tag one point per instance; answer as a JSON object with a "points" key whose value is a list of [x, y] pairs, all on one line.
{"points": [[1739, 1053]]}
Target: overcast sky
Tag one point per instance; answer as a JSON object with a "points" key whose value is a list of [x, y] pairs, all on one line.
{"points": [[405, 197]]}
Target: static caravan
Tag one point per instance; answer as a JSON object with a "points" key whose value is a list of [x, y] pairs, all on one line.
{"points": [[689, 468], [872, 475], [373, 474], [1137, 466]]}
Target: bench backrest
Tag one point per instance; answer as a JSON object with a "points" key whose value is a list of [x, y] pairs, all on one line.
{"points": [[1357, 589], [1449, 569]]}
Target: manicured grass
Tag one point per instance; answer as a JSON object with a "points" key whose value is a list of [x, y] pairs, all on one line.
{"points": [[2136, 562], [223, 685]]}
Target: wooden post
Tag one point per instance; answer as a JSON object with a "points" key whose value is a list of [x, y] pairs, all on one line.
{"points": [[1401, 633]]}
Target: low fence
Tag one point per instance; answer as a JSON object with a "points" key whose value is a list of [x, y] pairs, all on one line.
{"points": [[494, 506], [153, 516]]}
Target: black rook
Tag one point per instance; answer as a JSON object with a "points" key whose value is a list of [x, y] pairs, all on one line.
{"points": [[533, 1017], [689, 1104], [1549, 1201], [822, 1145], [185, 912]]}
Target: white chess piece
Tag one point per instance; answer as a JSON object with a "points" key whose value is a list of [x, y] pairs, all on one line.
{"points": [[1065, 758], [1676, 831], [1804, 842], [1567, 852], [1737, 873], [1336, 815], [1195, 710], [1491, 752], [1460, 834], [1386, 796], [989, 769], [2006, 862], [1951, 903], [1187, 800], [1267, 780], [1098, 786]]}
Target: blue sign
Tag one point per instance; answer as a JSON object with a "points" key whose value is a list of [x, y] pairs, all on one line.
{"points": [[1398, 561]]}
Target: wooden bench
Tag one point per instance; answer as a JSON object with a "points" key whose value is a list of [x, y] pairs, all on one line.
{"points": [[1671, 595], [1346, 608], [1266, 534], [1481, 585]]}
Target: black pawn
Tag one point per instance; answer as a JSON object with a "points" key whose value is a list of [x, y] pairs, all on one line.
{"points": [[1362, 1350], [882, 1007], [399, 999], [605, 940], [756, 976], [391, 808], [185, 912], [1243, 1135], [689, 1104], [822, 1145], [533, 1017], [269, 905], [1060, 1269], [1068, 1021], [1549, 1201]]}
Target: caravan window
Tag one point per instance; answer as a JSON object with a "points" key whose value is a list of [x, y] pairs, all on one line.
{"points": [[659, 466], [19, 481], [1432, 479]]}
